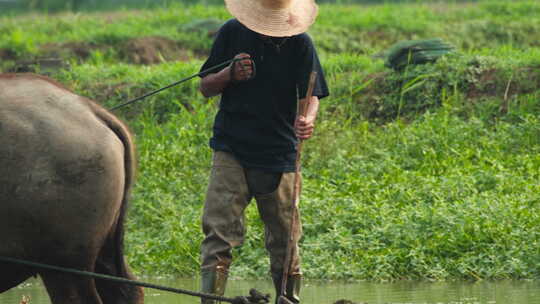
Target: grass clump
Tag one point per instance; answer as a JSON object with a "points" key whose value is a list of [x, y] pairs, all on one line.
{"points": [[465, 82]]}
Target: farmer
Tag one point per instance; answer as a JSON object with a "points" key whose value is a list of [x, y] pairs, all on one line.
{"points": [[256, 131]]}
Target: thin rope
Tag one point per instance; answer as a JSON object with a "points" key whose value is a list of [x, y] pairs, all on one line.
{"points": [[236, 300], [184, 80]]}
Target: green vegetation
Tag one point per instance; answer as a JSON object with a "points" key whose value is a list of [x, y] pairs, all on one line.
{"points": [[429, 173], [55, 6]]}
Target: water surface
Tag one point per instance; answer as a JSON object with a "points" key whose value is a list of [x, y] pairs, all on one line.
{"points": [[504, 292]]}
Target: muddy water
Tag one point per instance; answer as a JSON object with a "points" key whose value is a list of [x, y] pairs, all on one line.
{"points": [[505, 292]]}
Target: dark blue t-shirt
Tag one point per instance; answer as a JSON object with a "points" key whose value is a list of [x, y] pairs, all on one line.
{"points": [[255, 121]]}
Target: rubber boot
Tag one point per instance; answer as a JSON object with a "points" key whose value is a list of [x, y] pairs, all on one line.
{"points": [[292, 291], [213, 282]]}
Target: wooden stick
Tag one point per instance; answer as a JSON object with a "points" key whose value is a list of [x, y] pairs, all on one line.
{"points": [[302, 110]]}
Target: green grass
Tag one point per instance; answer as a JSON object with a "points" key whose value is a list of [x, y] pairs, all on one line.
{"points": [[78, 6], [434, 199], [432, 173], [339, 29]]}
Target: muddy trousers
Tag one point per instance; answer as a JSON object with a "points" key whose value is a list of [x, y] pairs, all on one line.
{"points": [[230, 190]]}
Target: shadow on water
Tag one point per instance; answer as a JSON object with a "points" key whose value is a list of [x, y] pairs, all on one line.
{"points": [[503, 292]]}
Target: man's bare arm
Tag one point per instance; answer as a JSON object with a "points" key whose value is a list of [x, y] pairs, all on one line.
{"points": [[214, 84]]}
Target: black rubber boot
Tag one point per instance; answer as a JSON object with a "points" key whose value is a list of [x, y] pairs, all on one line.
{"points": [[213, 282], [292, 291]]}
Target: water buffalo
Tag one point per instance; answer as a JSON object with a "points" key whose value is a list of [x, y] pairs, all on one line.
{"points": [[66, 168]]}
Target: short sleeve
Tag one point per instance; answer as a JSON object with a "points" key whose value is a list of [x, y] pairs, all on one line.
{"points": [[218, 52], [309, 61]]}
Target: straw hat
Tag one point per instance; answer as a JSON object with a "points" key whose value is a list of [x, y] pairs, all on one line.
{"points": [[276, 18]]}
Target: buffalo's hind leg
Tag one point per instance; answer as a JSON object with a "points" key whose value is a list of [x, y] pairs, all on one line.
{"points": [[11, 276], [111, 262], [70, 289]]}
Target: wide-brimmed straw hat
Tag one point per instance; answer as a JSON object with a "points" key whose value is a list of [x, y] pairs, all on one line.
{"points": [[276, 18]]}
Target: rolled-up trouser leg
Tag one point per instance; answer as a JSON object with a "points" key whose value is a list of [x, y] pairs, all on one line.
{"points": [[276, 210], [223, 214]]}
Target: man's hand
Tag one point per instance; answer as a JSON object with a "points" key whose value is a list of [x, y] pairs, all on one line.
{"points": [[304, 127], [214, 83], [243, 69]]}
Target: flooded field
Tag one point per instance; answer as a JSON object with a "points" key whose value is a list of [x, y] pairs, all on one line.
{"points": [[504, 292]]}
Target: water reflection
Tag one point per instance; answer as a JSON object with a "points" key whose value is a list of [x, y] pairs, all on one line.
{"points": [[504, 292]]}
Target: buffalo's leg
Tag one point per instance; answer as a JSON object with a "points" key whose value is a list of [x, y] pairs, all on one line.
{"points": [[12, 276], [111, 292], [111, 262], [70, 289]]}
